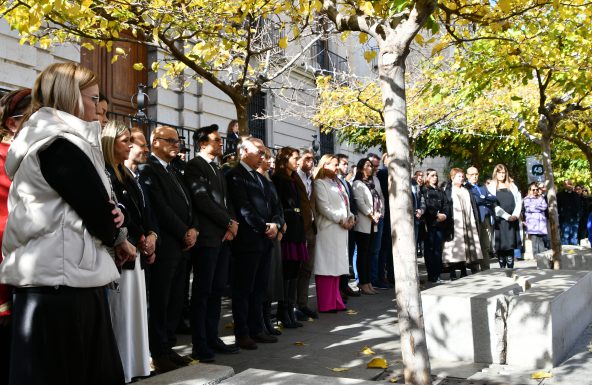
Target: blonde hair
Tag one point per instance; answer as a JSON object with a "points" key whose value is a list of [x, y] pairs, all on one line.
{"points": [[59, 86], [319, 173], [110, 133]]}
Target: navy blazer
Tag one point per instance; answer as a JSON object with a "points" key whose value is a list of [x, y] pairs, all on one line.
{"points": [[254, 209], [211, 204]]}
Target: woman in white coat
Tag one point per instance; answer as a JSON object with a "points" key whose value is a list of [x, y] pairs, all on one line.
{"points": [[333, 220], [369, 212]]}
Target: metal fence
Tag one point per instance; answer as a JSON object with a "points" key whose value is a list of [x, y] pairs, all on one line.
{"points": [[147, 125]]}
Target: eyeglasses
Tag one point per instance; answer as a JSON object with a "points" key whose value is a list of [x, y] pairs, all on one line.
{"points": [[170, 141], [534, 189], [261, 153]]}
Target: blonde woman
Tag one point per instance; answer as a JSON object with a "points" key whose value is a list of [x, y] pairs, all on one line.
{"points": [[129, 309], [507, 230], [61, 219], [333, 220]]}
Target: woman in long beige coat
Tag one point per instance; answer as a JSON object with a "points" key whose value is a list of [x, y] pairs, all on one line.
{"points": [[333, 219], [462, 246]]}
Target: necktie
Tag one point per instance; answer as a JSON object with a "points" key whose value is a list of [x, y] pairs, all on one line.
{"points": [[257, 178], [173, 176], [137, 180]]}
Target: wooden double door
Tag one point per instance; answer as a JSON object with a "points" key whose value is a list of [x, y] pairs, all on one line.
{"points": [[118, 81]]}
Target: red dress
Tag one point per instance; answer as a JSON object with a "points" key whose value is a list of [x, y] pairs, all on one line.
{"points": [[5, 291]]}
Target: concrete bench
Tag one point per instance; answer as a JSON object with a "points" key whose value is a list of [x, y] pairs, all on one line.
{"points": [[528, 318], [572, 258]]}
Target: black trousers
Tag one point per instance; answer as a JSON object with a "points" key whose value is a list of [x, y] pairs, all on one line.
{"points": [[210, 276], [363, 262], [63, 336], [250, 277], [166, 297]]}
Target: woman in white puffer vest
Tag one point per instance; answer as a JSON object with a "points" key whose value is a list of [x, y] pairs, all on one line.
{"points": [[61, 221]]}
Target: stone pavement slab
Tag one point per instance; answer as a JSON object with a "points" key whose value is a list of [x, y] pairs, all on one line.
{"points": [[197, 374], [270, 377]]}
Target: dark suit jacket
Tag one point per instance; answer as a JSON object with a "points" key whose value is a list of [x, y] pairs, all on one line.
{"points": [[138, 218], [306, 205], [172, 211], [290, 203], [254, 208], [211, 204]]}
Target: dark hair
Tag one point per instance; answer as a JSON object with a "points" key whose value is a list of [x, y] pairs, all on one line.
{"points": [[282, 158], [13, 103], [103, 98], [232, 123], [360, 168], [371, 156], [201, 134], [341, 156]]}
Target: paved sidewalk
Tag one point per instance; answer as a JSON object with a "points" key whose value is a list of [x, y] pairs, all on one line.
{"points": [[333, 345]]}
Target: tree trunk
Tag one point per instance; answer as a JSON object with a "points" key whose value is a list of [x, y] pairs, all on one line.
{"points": [[413, 342], [552, 200], [242, 116]]}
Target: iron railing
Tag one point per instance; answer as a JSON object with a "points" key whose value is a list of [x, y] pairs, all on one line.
{"points": [[147, 125]]}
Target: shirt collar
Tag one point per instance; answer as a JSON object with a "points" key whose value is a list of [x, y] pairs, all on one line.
{"points": [[164, 164]]}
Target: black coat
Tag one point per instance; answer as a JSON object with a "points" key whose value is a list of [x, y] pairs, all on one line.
{"points": [[435, 202], [289, 198], [253, 201], [171, 206], [138, 218], [211, 204]]}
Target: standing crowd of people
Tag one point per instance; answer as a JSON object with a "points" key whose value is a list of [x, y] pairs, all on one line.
{"points": [[101, 229]]}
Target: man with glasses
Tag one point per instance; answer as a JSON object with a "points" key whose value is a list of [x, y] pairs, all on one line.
{"points": [[259, 224], [485, 202], [171, 204]]}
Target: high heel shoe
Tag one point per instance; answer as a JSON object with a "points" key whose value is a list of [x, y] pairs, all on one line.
{"points": [[292, 315], [267, 325]]}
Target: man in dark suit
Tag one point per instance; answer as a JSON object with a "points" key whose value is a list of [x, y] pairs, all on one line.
{"points": [[342, 170], [210, 257], [304, 185], [259, 223], [172, 208]]}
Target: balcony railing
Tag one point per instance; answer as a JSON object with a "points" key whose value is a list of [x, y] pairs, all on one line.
{"points": [[326, 60]]}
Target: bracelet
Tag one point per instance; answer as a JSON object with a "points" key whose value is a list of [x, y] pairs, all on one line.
{"points": [[121, 236]]}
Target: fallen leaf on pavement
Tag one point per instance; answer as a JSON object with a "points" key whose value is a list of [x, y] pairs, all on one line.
{"points": [[540, 375], [378, 363], [351, 312], [367, 351], [299, 343], [394, 379], [339, 369]]}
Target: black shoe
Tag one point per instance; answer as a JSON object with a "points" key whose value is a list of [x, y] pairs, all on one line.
{"points": [[308, 312], [245, 342], [284, 317], [203, 355], [220, 347], [264, 338], [179, 360], [300, 316], [292, 315], [163, 364]]}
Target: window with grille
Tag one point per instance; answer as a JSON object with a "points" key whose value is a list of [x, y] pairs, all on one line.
{"points": [[257, 109]]}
